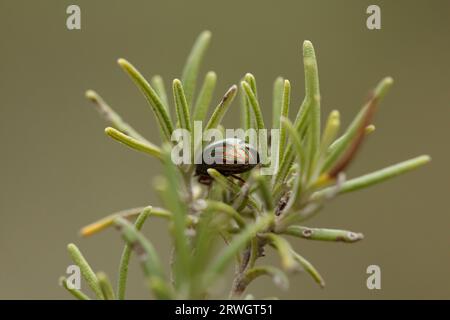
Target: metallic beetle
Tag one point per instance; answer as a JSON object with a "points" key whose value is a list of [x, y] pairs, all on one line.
{"points": [[229, 156]]}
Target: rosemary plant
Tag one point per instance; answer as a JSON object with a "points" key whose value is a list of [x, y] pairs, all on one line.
{"points": [[247, 218]]}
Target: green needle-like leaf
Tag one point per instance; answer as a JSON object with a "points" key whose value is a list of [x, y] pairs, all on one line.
{"points": [[157, 105], [294, 137], [254, 104], [74, 292], [246, 115], [157, 83], [192, 66], [301, 126], [308, 116], [141, 146], [284, 167], [278, 276], [368, 130], [250, 79], [284, 113], [323, 234], [205, 96], [312, 93], [284, 250], [86, 270], [105, 286], [253, 101], [182, 107], [148, 258], [309, 268], [265, 192], [337, 148], [222, 108], [112, 117], [242, 198], [277, 101], [370, 179], [107, 221], [300, 156], [126, 254], [330, 132], [304, 117]]}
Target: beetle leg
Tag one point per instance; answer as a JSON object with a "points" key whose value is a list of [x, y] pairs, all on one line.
{"points": [[206, 180], [238, 178]]}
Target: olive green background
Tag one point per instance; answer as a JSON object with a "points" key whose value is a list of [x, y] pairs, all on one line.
{"points": [[59, 171]]}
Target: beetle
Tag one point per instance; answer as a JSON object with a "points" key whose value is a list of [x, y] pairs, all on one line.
{"points": [[229, 156]]}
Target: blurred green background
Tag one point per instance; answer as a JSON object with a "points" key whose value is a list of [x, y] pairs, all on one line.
{"points": [[59, 171]]}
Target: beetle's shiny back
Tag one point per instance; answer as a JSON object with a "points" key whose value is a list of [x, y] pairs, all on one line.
{"points": [[229, 156]]}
